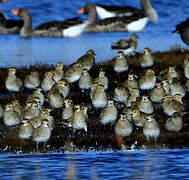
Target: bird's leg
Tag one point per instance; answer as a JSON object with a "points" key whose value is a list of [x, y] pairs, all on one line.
{"points": [[44, 144], [37, 147]]}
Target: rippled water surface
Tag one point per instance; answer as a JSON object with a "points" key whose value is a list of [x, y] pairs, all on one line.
{"points": [[169, 164], [15, 50]]}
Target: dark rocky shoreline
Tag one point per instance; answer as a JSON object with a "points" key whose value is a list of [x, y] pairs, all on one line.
{"points": [[98, 136]]}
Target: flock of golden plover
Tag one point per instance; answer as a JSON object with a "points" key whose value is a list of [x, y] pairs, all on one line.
{"points": [[139, 96]]}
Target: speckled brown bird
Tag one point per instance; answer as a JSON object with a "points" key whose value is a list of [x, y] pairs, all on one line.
{"points": [[123, 127], [151, 128], [12, 82], [109, 113], [87, 60]]}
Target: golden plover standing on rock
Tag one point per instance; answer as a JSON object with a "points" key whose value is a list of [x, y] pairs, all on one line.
{"points": [[42, 133], [68, 110], [123, 127], [32, 80], [151, 128], [37, 121], [45, 114], [87, 60], [55, 99], [171, 73], [138, 117], [145, 105], [120, 63], [85, 81], [102, 79], [131, 81], [176, 87], [73, 73], [63, 86], [147, 59], [47, 82], [109, 113], [127, 46], [148, 81], [58, 73], [25, 130], [170, 106], [157, 94], [121, 94], [13, 83], [174, 123], [99, 98], [11, 117], [79, 119], [31, 111]]}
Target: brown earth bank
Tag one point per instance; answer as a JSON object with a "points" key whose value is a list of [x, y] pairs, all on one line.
{"points": [[98, 136]]}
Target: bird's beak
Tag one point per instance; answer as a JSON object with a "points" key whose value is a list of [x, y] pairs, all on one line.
{"points": [[15, 11], [80, 11]]}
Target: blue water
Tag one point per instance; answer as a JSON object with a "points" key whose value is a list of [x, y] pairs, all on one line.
{"points": [[162, 164], [15, 51]]}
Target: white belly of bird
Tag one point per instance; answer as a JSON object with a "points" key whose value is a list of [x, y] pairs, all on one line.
{"points": [[10, 119], [99, 103], [43, 137], [79, 121], [108, 119], [146, 108], [138, 25], [56, 102], [151, 132], [67, 113], [102, 13], [177, 90], [148, 85], [11, 86], [85, 83], [73, 78], [186, 72], [125, 131], [148, 61], [121, 68], [74, 31], [110, 116], [168, 109], [129, 50], [25, 132]]}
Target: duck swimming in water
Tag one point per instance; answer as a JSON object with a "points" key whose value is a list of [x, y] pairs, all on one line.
{"points": [[68, 28], [132, 23], [105, 11]]}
